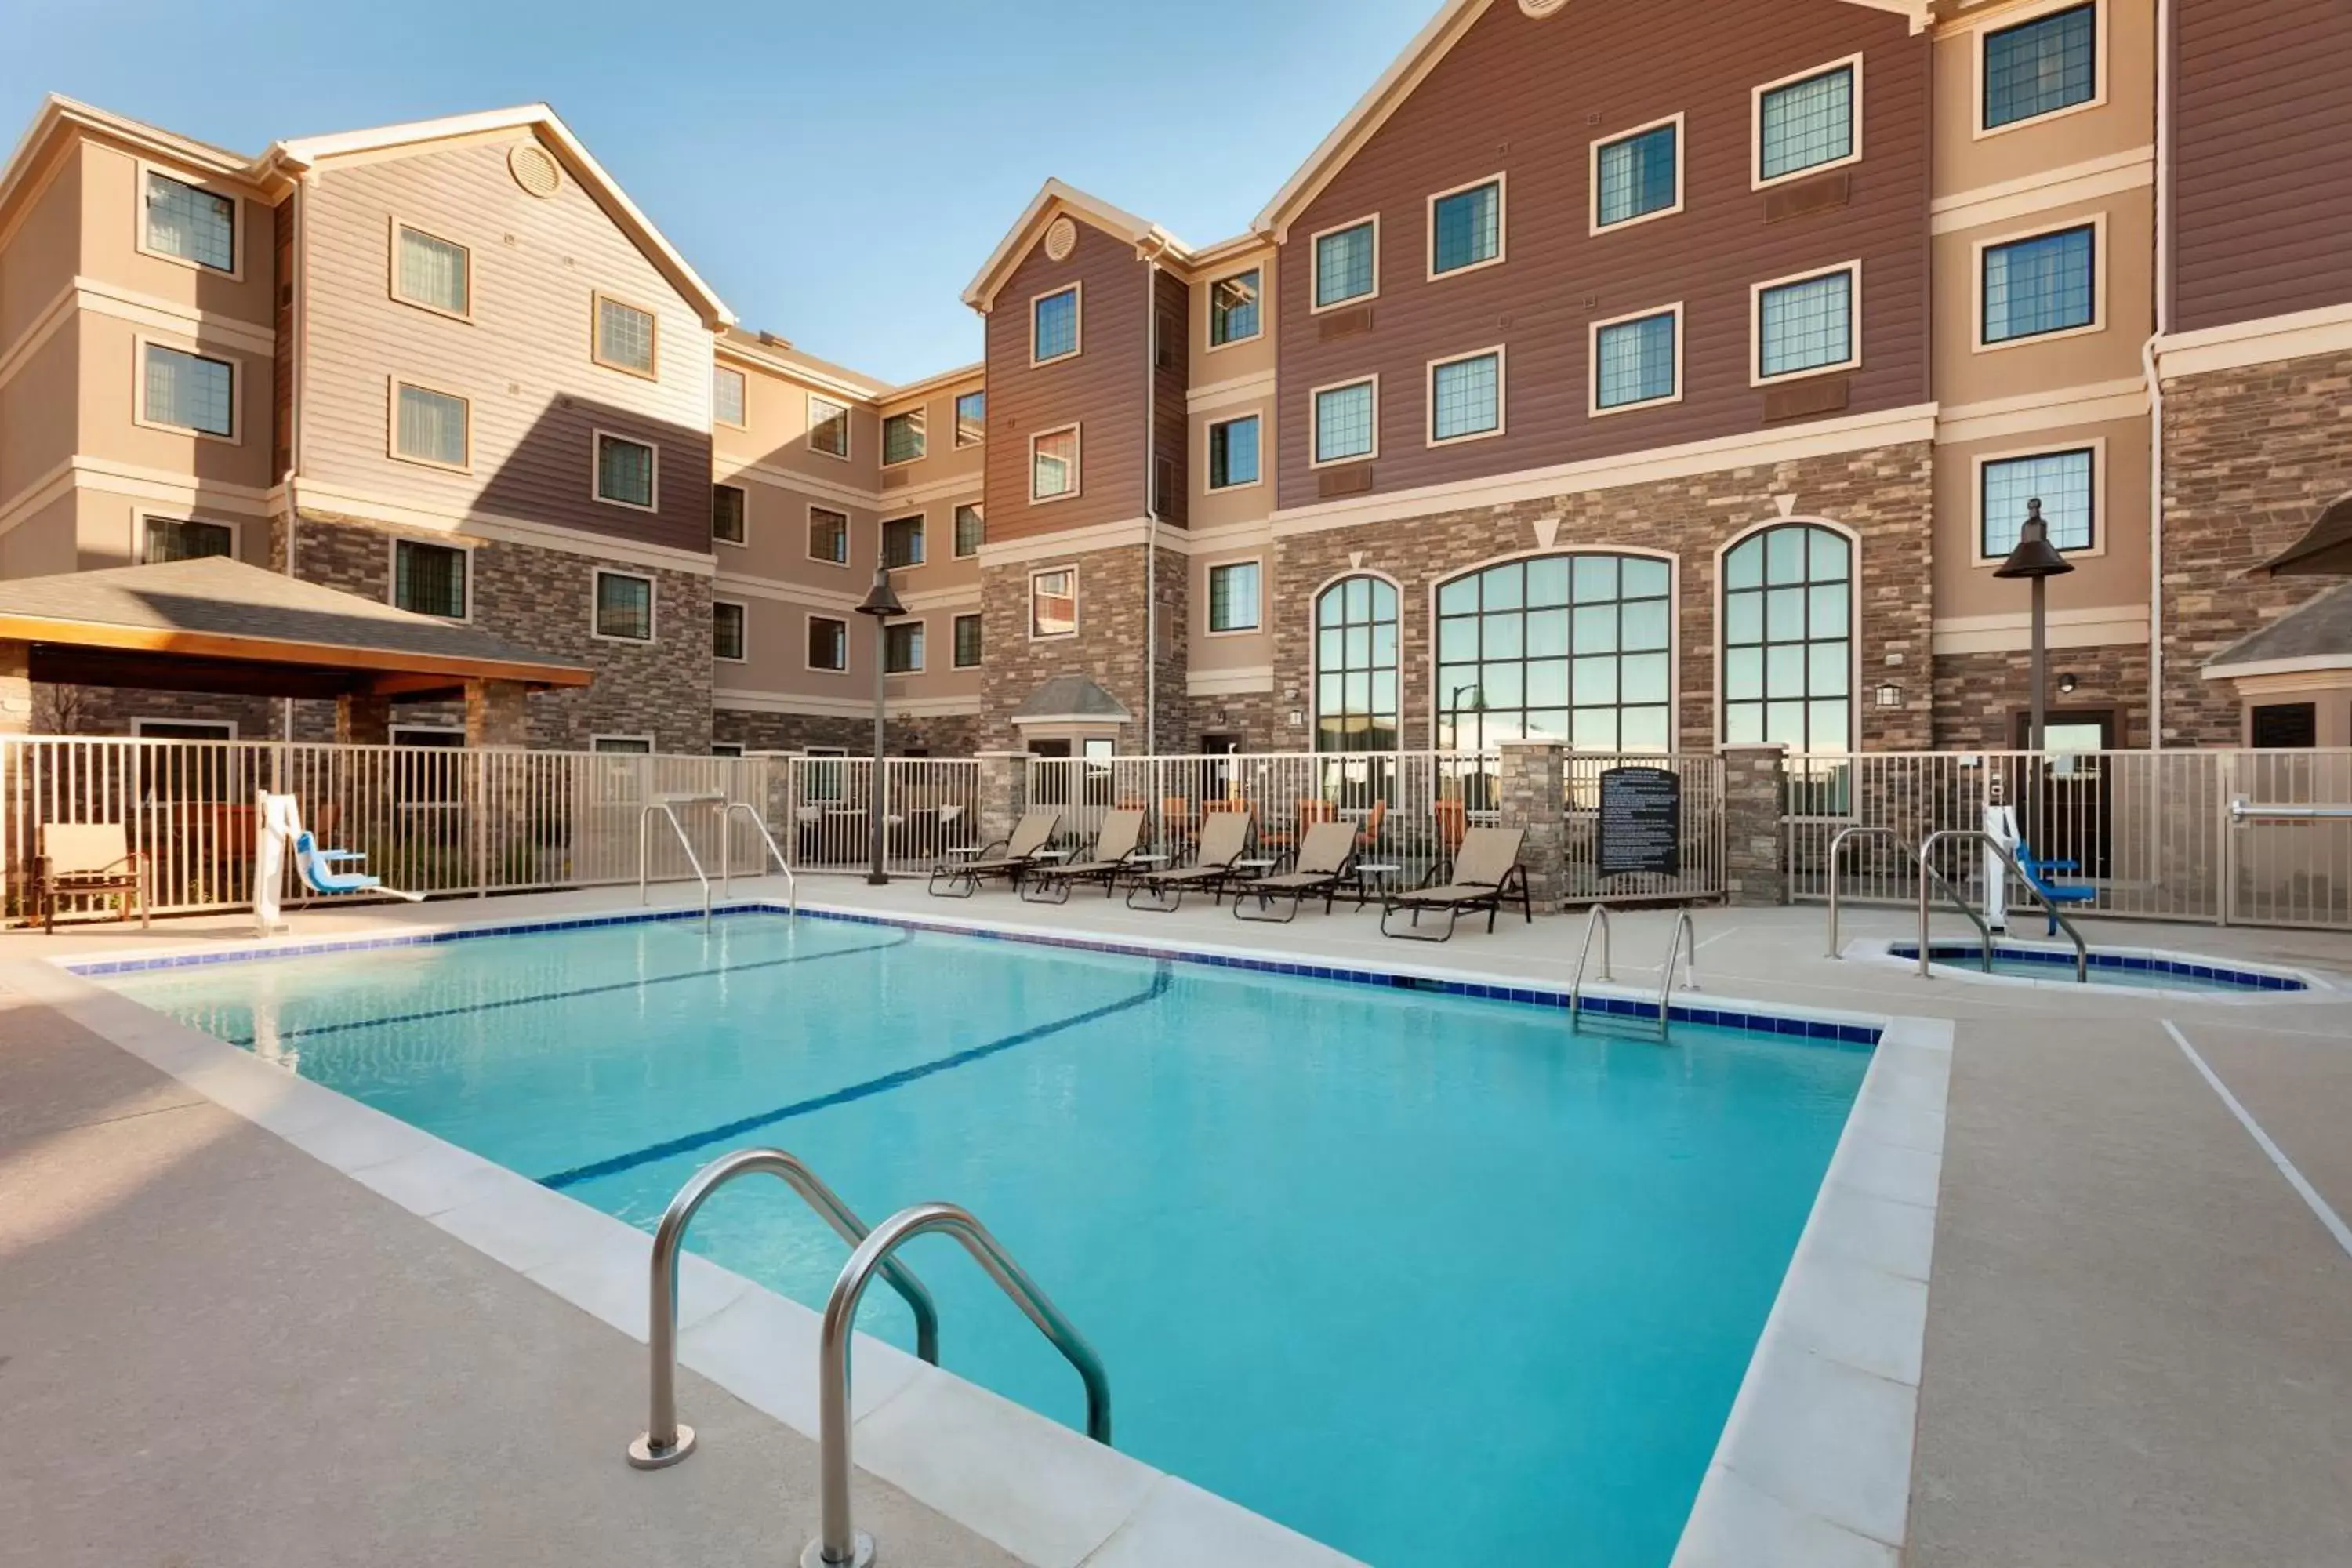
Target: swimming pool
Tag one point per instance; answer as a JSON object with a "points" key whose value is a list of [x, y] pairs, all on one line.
{"points": [[2131, 971], [1411, 1273]]}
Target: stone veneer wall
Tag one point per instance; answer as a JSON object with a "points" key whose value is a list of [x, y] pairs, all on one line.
{"points": [[948, 735], [1980, 695], [2251, 456], [1109, 647], [1260, 720]]}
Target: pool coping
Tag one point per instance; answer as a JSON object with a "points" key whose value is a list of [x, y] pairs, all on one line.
{"points": [[1813, 1463], [2315, 987]]}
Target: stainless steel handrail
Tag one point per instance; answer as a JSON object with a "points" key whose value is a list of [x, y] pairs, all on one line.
{"points": [[792, 883], [1686, 946], [1927, 870], [2243, 810], [645, 842], [1597, 920], [664, 1441], [842, 1545], [1837, 845]]}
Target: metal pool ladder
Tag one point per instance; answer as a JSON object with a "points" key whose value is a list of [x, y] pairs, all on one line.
{"points": [[667, 806], [1928, 871], [1684, 947]]}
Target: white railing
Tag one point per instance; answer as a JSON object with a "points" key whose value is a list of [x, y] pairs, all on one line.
{"points": [[824, 819]]}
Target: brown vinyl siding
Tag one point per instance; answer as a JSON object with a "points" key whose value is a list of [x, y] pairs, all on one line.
{"points": [[1102, 387], [2262, 158], [1527, 98], [1170, 424]]}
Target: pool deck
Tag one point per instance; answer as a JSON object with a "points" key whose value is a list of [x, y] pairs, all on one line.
{"points": [[2137, 1332]]}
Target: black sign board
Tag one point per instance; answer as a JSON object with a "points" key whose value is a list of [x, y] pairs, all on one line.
{"points": [[1641, 822]]}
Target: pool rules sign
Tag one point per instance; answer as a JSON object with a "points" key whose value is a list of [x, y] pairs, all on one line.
{"points": [[1641, 822]]}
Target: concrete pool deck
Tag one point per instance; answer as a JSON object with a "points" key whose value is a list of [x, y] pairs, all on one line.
{"points": [[2137, 1341]]}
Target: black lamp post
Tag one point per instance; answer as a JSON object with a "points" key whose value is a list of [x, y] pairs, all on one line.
{"points": [[882, 605], [1454, 706], [2035, 560]]}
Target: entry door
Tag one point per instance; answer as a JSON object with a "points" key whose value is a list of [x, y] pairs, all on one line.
{"points": [[2064, 805]]}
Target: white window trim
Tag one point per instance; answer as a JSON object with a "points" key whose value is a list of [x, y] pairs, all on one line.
{"points": [[646, 737], [1209, 598], [2095, 445], [847, 523], [240, 231], [1592, 176], [745, 657], [1429, 434], [142, 342], [596, 439], [808, 621], [1209, 324], [596, 334], [2001, 22], [745, 492], [955, 550], [1029, 609], [1077, 464], [1592, 358], [392, 384], [1756, 180], [925, 446], [2097, 224], [745, 377], [953, 404], [1314, 245], [391, 268], [392, 576], [732, 749], [882, 533], [848, 431], [1078, 292], [1500, 180], [923, 646], [143, 516], [653, 607], [1755, 291], [1209, 485], [227, 726], [397, 731], [955, 646], [1314, 394]]}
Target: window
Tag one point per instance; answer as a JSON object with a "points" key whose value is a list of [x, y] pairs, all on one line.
{"points": [[625, 337], [1346, 263], [902, 541], [2065, 483], [2285, 726], [1574, 647], [902, 647], [1233, 597], [1356, 666], [1234, 309], [1788, 639], [1805, 124], [430, 271], [624, 471], [2041, 285], [1806, 324], [1465, 397], [828, 536], [1233, 452], [624, 606], [182, 539], [429, 579], [726, 748], [1465, 228], [967, 642], [828, 426], [1639, 175], [1636, 360], [1054, 602], [1054, 325], [2040, 67], [972, 419], [902, 438], [828, 643], [1345, 428], [970, 530], [431, 427], [729, 506], [622, 745], [727, 630], [190, 223], [728, 392], [189, 392], [1054, 465]]}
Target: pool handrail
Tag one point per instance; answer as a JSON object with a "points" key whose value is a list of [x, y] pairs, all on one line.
{"points": [[1597, 920], [2243, 811], [1927, 870], [667, 805], [664, 1441], [1837, 847], [840, 1544], [1686, 946], [759, 825]]}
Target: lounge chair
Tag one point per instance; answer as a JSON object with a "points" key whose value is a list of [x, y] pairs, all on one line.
{"points": [[2038, 874], [85, 859], [1116, 848], [1325, 860], [1008, 857], [1225, 839], [1487, 873]]}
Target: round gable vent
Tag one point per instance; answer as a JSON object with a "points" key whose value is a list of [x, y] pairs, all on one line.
{"points": [[1541, 8], [1061, 238], [534, 169]]}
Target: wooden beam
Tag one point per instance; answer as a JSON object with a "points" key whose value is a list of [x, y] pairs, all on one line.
{"points": [[185, 645], [150, 672]]}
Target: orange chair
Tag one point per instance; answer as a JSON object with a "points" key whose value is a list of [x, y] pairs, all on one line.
{"points": [[1368, 837], [1453, 821], [1177, 823]]}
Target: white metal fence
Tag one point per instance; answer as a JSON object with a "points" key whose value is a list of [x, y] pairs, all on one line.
{"points": [[823, 811]]}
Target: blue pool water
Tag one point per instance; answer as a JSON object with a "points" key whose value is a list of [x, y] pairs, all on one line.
{"points": [[2132, 971], [1426, 1277]]}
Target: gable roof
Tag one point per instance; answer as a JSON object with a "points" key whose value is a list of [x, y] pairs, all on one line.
{"points": [[2315, 634], [1067, 698], [1054, 198], [59, 113], [2324, 551]]}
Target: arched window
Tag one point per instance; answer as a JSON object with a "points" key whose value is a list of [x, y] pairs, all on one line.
{"points": [[1788, 639], [1356, 666], [1578, 648]]}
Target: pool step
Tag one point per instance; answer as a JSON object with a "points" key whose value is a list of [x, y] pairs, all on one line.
{"points": [[1628, 1016]]}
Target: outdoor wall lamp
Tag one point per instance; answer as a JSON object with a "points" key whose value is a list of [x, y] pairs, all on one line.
{"points": [[1890, 695], [2067, 684]]}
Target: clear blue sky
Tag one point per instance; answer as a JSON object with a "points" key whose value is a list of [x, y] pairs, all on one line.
{"points": [[837, 171]]}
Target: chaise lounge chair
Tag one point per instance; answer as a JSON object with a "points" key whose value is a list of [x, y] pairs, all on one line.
{"points": [[84, 859], [1007, 857], [1225, 839], [1116, 848], [1326, 859], [1486, 872]]}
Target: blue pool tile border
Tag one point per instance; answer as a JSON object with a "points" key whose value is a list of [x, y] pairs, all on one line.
{"points": [[2221, 974]]}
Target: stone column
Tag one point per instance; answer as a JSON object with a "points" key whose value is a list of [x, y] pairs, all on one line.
{"points": [[362, 719], [15, 688], [1003, 793], [1532, 792], [1754, 839], [496, 717]]}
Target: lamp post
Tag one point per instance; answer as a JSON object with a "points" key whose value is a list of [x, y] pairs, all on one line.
{"points": [[2035, 560], [1454, 706], [882, 605]]}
